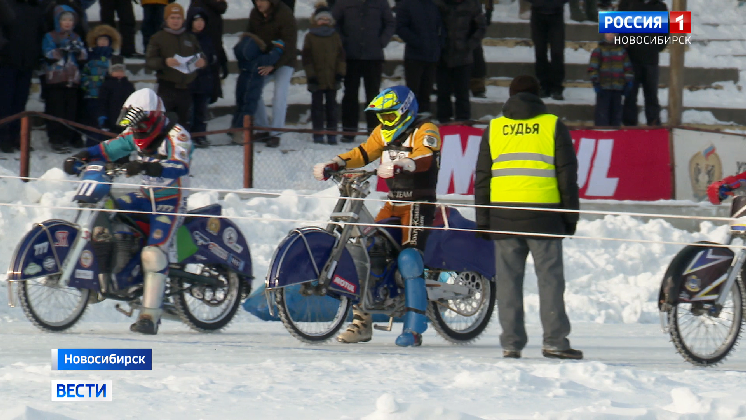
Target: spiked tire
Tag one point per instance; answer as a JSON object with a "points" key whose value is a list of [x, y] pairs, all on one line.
{"points": [[311, 332], [36, 312], [473, 326], [688, 350], [188, 293]]}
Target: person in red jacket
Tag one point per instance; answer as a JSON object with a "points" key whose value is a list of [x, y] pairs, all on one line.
{"points": [[720, 190]]}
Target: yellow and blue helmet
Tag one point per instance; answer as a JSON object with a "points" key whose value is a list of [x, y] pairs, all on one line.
{"points": [[396, 108]]}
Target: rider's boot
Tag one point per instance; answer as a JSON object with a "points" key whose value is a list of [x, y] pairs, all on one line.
{"points": [[411, 267], [361, 329], [155, 265]]}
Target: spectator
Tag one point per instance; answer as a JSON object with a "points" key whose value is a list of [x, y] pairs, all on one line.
{"points": [[548, 27], [465, 27], [273, 20], [102, 41], [528, 168], [18, 58], [588, 12], [419, 25], [213, 11], [63, 50], [126, 14], [290, 4], [81, 25], [612, 76], [7, 15], [366, 27], [203, 85], [325, 66], [114, 91], [173, 85], [251, 56], [152, 19], [644, 59], [478, 81]]}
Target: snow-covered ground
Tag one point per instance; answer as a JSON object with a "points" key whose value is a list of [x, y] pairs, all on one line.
{"points": [[256, 370]]}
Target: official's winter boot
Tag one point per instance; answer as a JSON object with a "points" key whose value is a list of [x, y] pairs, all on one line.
{"points": [[562, 354], [147, 322], [512, 354], [361, 329], [411, 268]]}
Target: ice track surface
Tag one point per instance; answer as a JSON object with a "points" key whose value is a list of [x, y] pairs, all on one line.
{"points": [[256, 370]]}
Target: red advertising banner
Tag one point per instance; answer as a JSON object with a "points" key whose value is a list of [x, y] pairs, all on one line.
{"points": [[612, 164]]}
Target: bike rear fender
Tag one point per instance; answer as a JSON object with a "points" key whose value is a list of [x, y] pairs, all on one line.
{"points": [[302, 255], [696, 274], [42, 250]]}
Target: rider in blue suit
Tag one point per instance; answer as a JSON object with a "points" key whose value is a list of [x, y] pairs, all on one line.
{"points": [[164, 152]]}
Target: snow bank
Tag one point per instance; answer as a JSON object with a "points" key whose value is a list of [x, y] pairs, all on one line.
{"points": [[607, 281]]}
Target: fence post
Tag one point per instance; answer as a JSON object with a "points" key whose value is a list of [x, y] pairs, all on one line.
{"points": [[248, 153], [25, 148]]}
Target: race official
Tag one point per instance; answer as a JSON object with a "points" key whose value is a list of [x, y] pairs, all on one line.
{"points": [[526, 159]]}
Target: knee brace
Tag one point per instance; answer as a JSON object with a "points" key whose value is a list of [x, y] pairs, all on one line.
{"points": [[410, 262], [154, 260]]}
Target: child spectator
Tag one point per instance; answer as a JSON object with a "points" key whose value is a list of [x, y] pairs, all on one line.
{"points": [[250, 56], [202, 87], [612, 76], [102, 41], [325, 65], [114, 91], [173, 84], [62, 48]]}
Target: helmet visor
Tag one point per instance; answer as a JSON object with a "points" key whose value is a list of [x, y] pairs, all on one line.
{"points": [[388, 118], [132, 117]]}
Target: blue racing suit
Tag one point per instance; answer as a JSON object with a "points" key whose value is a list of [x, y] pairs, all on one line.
{"points": [[159, 195]]}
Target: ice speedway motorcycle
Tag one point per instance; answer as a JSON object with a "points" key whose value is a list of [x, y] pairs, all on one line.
{"points": [[61, 267], [317, 274], [702, 296]]}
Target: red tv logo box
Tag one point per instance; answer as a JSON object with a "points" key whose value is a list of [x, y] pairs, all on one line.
{"points": [[680, 22]]}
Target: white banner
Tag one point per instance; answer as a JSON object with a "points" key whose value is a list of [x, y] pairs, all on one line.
{"points": [[701, 158]]}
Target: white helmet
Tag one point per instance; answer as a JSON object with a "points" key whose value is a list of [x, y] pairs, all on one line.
{"points": [[143, 112]]}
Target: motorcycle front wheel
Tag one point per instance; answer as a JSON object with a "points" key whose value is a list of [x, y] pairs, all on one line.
{"points": [[702, 338], [311, 318], [461, 321], [50, 305]]}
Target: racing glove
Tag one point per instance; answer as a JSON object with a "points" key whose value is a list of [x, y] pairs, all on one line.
{"points": [[74, 163], [392, 168], [324, 171], [138, 167]]}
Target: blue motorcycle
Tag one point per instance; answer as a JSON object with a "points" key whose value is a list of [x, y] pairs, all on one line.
{"points": [[317, 274], [61, 267]]}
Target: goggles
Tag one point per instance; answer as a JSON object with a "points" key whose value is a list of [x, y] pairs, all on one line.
{"points": [[388, 118], [133, 117]]}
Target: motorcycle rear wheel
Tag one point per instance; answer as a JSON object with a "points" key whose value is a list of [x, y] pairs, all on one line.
{"points": [[51, 306], [693, 330], [309, 330], [461, 321], [206, 308]]}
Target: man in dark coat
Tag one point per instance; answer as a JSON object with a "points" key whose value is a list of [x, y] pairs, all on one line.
{"points": [[203, 85], [419, 25], [548, 27], [465, 27], [527, 159], [114, 92], [214, 10], [126, 14], [272, 20], [366, 27], [18, 58], [645, 65]]}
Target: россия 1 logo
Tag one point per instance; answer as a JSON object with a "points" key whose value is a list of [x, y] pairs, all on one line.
{"points": [[645, 22]]}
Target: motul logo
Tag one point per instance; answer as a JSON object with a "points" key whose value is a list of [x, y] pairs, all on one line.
{"points": [[594, 160], [339, 281]]}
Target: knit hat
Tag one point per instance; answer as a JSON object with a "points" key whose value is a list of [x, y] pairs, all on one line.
{"points": [[117, 64], [322, 11], [173, 9], [524, 83]]}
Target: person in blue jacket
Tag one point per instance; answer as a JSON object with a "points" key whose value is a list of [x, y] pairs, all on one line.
{"points": [[164, 152], [251, 53]]}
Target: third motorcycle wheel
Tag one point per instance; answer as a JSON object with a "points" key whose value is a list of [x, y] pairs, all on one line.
{"points": [[311, 319], [702, 339], [461, 321]]}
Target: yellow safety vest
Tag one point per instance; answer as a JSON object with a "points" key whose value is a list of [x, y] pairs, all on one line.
{"points": [[522, 154]]}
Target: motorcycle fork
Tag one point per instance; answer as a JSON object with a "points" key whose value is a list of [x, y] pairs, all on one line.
{"points": [[353, 208], [733, 272], [85, 218]]}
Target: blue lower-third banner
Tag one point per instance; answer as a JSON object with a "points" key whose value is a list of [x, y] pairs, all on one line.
{"points": [[102, 359]]}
